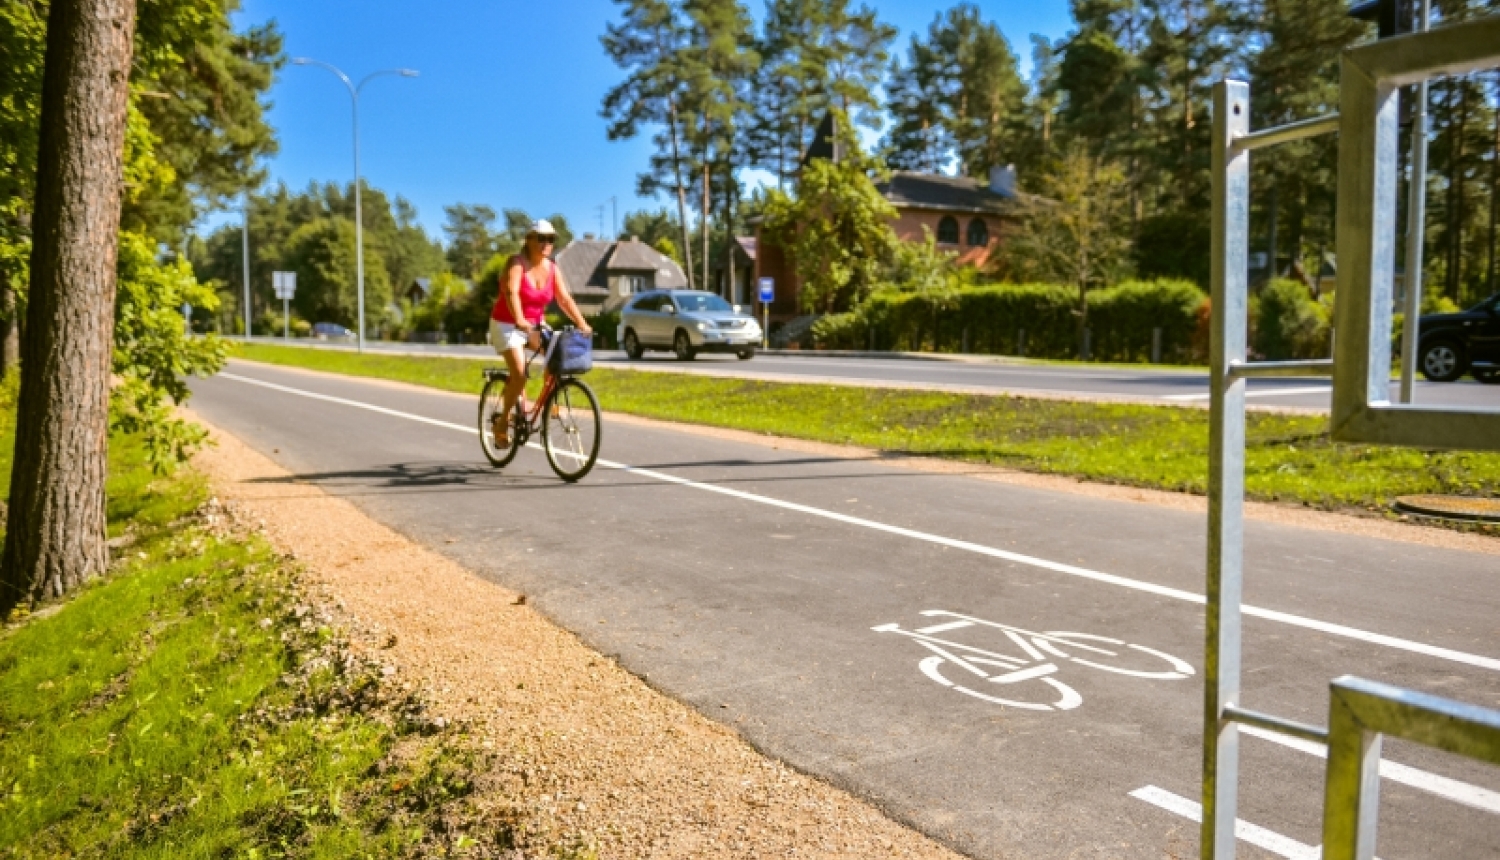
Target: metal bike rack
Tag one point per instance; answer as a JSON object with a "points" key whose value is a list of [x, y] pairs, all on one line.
{"points": [[1360, 711]]}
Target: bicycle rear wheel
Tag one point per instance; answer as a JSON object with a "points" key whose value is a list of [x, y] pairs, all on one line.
{"points": [[571, 427], [490, 402]]}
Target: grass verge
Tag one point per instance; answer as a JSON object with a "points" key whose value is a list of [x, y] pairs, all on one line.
{"points": [[1289, 458], [191, 704]]}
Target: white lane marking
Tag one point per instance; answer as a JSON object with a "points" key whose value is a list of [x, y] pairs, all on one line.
{"points": [[1287, 618], [1450, 789], [943, 628], [1269, 392], [1274, 842]]}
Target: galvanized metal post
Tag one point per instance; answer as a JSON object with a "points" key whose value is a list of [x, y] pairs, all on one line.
{"points": [[1351, 803], [1416, 221], [1226, 466]]}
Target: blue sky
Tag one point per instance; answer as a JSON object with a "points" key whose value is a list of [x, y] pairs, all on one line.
{"points": [[506, 110]]}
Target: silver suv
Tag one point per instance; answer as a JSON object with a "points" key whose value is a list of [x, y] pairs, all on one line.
{"points": [[687, 322]]}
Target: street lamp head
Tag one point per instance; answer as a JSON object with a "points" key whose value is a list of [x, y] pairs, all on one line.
{"points": [[300, 61], [408, 73]]}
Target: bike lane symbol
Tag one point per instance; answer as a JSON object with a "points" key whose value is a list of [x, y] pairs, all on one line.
{"points": [[1043, 653]]}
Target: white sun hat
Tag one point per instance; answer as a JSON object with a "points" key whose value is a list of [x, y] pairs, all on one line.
{"points": [[541, 227]]}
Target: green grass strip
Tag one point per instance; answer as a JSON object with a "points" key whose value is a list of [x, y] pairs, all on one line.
{"points": [[180, 707], [1289, 458]]}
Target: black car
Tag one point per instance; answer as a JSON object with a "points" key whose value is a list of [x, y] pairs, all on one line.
{"points": [[1466, 342]]}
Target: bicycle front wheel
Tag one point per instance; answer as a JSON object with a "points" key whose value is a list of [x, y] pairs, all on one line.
{"points": [[571, 427], [491, 400]]}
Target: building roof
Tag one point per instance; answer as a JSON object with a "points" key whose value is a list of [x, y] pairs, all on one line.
{"points": [[935, 191], [587, 264], [747, 244]]}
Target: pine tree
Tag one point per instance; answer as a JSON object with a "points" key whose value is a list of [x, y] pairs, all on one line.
{"points": [[648, 44], [1294, 75], [916, 93], [816, 55], [958, 95]]}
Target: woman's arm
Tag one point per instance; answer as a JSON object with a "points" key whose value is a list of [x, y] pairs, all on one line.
{"points": [[511, 286], [569, 307]]}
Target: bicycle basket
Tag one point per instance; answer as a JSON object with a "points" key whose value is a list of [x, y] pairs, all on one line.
{"points": [[570, 354]]}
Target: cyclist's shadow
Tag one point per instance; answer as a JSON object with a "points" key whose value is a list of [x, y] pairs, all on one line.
{"points": [[452, 476]]}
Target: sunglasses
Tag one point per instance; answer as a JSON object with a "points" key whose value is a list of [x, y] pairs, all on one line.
{"points": [[545, 240]]}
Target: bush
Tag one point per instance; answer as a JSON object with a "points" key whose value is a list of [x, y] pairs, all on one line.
{"points": [[1121, 317], [1288, 323]]}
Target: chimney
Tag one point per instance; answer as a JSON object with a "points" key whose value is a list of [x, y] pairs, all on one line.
{"points": [[1003, 180], [588, 237]]}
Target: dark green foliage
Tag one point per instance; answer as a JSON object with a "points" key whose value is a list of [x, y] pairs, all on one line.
{"points": [[321, 252], [194, 136], [1121, 319], [316, 227], [1289, 323], [958, 94], [1174, 244]]}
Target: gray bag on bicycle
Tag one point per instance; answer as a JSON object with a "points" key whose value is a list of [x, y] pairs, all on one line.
{"points": [[571, 353]]}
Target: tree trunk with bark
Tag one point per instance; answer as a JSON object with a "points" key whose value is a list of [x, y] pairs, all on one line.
{"points": [[687, 244], [55, 525], [10, 331]]}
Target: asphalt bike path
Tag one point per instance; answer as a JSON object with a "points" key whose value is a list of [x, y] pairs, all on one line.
{"points": [[1014, 671]]}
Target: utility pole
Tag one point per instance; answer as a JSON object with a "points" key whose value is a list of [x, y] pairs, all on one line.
{"points": [[245, 254]]}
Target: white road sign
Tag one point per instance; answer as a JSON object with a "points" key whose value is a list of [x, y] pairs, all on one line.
{"points": [[285, 284]]}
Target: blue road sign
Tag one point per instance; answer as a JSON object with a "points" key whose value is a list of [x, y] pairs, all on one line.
{"points": [[767, 290]]}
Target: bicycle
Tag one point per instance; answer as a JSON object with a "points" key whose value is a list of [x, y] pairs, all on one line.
{"points": [[566, 414]]}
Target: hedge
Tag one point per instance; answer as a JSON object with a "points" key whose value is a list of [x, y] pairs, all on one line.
{"points": [[1121, 320]]}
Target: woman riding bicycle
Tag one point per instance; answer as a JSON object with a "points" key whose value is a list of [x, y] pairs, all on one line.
{"points": [[530, 282]]}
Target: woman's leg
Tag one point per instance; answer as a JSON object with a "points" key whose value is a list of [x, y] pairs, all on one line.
{"points": [[515, 386]]}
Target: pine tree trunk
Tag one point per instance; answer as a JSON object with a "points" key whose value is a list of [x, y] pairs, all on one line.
{"points": [[687, 244], [10, 331], [55, 527]]}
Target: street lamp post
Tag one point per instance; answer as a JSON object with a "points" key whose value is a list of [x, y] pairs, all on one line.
{"points": [[359, 236]]}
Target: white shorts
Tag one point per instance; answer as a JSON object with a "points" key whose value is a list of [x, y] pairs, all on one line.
{"points": [[505, 337]]}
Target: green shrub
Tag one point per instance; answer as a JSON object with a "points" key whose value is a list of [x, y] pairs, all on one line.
{"points": [[1121, 317], [849, 330], [1288, 323]]}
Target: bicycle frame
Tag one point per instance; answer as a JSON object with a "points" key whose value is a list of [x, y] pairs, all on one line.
{"points": [[533, 415]]}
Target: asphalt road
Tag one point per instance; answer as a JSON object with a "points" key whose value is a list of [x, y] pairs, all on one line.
{"points": [[1148, 385], [761, 585]]}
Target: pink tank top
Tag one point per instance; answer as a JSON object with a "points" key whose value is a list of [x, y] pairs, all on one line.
{"points": [[534, 300]]}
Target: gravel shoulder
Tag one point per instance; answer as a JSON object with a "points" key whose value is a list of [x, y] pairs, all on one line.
{"points": [[585, 753]]}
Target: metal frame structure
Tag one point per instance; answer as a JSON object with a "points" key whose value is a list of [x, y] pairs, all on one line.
{"points": [[1366, 238], [1370, 78]]}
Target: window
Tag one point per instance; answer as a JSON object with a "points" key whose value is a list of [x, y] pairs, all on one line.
{"points": [[979, 233], [948, 231], [636, 284], [647, 302], [695, 302]]}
